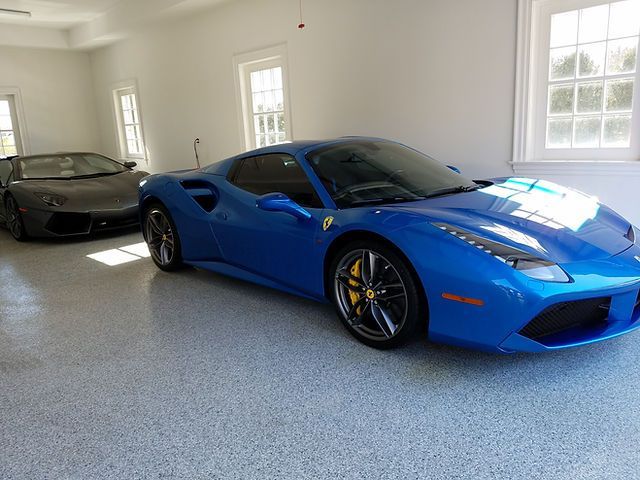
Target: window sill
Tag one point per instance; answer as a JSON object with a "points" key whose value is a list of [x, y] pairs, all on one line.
{"points": [[576, 167]]}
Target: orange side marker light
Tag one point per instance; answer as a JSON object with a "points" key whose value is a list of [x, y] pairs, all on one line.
{"points": [[458, 298]]}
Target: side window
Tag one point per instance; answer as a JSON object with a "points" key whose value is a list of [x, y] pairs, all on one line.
{"points": [[6, 172], [276, 173]]}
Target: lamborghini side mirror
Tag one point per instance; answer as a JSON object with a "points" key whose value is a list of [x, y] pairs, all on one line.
{"points": [[130, 164], [455, 169], [279, 202]]}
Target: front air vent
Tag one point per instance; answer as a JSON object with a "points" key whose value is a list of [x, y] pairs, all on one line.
{"points": [[203, 193], [566, 315]]}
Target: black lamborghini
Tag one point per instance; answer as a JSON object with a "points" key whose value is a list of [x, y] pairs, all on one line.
{"points": [[67, 194]]}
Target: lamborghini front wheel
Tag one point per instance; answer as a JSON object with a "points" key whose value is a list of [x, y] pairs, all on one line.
{"points": [[376, 294]]}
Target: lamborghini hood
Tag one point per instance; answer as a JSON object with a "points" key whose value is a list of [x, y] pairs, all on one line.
{"points": [[87, 194], [540, 217]]}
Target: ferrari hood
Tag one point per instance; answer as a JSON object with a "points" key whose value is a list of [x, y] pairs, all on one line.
{"points": [[86, 194], [540, 217]]}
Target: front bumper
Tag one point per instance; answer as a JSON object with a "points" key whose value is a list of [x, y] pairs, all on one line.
{"points": [[511, 305], [46, 223], [621, 314]]}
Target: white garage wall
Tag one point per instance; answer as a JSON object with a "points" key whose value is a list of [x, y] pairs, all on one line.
{"points": [[57, 96], [436, 74]]}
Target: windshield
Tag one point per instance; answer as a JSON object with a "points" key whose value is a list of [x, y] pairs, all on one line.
{"points": [[65, 166], [366, 172]]}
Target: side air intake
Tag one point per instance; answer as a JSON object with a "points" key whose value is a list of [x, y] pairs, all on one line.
{"points": [[203, 193]]}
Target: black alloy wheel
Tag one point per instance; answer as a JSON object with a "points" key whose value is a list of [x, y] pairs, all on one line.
{"points": [[162, 238], [14, 219], [376, 294]]}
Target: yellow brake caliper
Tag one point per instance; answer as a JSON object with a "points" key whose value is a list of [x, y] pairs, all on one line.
{"points": [[356, 272]]}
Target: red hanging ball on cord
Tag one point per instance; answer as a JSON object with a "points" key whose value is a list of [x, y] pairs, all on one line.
{"points": [[301, 25]]}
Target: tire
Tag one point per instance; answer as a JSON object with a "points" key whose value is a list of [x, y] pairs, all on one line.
{"points": [[162, 237], [14, 220], [385, 310]]}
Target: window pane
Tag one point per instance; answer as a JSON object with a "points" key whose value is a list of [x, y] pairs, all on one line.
{"points": [[619, 95], [272, 139], [267, 79], [258, 103], [4, 107], [593, 24], [563, 63], [281, 137], [586, 132], [281, 125], [8, 139], [5, 122], [256, 83], [560, 99], [279, 100], [131, 132], [617, 131], [130, 116], [621, 57], [269, 101], [589, 98], [591, 59], [125, 101], [564, 29], [277, 73], [271, 126], [625, 19], [559, 132], [11, 150]]}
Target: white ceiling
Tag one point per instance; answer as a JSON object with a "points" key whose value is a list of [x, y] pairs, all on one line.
{"points": [[87, 24], [58, 14]]}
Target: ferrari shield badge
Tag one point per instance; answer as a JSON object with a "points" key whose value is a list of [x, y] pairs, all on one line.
{"points": [[327, 223]]}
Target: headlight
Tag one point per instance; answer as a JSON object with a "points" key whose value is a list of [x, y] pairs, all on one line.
{"points": [[530, 265], [51, 199]]}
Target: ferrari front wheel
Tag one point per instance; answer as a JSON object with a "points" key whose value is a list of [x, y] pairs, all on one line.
{"points": [[162, 238], [376, 294], [14, 219]]}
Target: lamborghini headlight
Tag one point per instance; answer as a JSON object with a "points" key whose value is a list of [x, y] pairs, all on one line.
{"points": [[51, 199], [529, 265]]}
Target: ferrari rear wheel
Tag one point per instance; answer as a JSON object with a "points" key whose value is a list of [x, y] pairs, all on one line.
{"points": [[376, 294], [14, 219], [162, 238]]}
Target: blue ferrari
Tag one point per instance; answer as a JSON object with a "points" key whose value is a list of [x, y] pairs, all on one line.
{"points": [[404, 246]]}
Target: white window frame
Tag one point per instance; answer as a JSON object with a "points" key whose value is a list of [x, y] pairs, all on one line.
{"points": [[118, 90], [243, 65], [17, 118], [530, 156]]}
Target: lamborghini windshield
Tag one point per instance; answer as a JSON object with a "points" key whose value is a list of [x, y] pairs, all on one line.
{"points": [[368, 172], [68, 166]]}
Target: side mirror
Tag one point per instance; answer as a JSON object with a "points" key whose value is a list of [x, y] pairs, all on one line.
{"points": [[130, 164], [279, 202], [455, 169]]}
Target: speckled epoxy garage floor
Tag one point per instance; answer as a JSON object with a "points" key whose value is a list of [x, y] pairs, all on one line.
{"points": [[128, 372]]}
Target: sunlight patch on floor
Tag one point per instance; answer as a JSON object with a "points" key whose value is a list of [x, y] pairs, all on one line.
{"points": [[118, 256]]}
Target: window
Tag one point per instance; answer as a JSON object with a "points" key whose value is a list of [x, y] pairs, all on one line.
{"points": [[275, 173], [578, 81], [129, 122], [10, 142], [263, 98], [6, 173]]}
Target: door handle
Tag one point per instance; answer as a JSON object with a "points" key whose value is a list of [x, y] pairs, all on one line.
{"points": [[222, 215]]}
